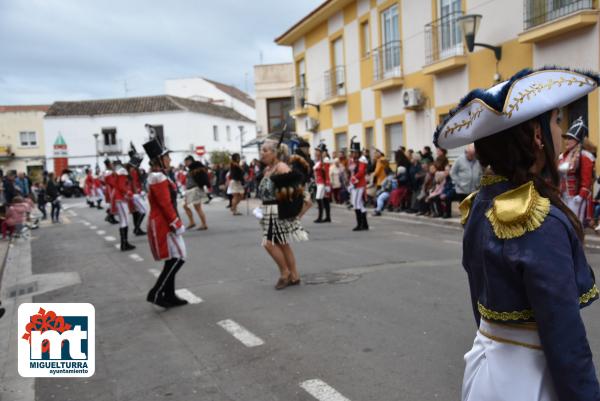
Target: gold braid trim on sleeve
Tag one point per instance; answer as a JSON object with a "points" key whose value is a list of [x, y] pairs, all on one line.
{"points": [[518, 211], [525, 314], [487, 180], [465, 207], [588, 296]]}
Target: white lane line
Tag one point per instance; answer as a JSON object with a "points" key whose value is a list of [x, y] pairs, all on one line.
{"points": [[85, 223], [110, 238], [406, 234], [72, 213], [188, 296], [154, 272], [93, 227], [240, 333], [322, 391], [100, 232], [136, 257], [449, 241], [118, 246]]}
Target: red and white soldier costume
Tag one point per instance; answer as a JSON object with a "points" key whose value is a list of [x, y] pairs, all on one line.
{"points": [[165, 228], [108, 179], [576, 167], [137, 204], [323, 181], [98, 185], [358, 181], [89, 188], [120, 195]]}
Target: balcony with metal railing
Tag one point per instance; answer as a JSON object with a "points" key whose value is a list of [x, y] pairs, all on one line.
{"points": [[387, 66], [335, 85], [545, 19], [299, 96], [444, 49], [111, 148]]}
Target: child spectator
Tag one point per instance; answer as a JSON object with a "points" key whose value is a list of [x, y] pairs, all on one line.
{"points": [[15, 217]]}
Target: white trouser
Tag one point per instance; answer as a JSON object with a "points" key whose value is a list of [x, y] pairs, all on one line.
{"points": [[176, 246], [99, 194], [123, 212], [320, 191], [577, 205], [357, 199], [497, 369], [139, 204]]}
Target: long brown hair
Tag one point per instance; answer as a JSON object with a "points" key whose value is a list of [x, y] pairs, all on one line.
{"points": [[511, 153]]}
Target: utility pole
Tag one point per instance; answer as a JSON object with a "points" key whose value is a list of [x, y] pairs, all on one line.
{"points": [[241, 127]]}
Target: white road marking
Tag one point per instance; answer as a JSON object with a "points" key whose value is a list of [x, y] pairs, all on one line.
{"points": [[240, 333], [449, 241], [93, 227], [85, 223], [72, 213], [136, 257], [100, 232], [188, 296], [154, 272], [110, 238], [406, 234], [118, 246], [322, 391]]}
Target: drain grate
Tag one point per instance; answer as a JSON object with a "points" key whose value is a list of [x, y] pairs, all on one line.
{"points": [[329, 278], [22, 289]]}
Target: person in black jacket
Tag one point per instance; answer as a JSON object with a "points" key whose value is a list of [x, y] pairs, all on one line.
{"points": [[53, 197], [236, 183], [196, 180]]}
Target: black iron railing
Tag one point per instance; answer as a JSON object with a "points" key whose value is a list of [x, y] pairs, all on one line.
{"points": [[537, 12], [335, 82], [387, 61], [443, 38]]}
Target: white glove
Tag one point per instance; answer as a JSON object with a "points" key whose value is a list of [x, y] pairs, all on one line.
{"points": [[257, 212], [327, 189], [180, 230]]}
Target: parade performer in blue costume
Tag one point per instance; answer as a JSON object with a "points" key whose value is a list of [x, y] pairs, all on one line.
{"points": [[522, 247]]}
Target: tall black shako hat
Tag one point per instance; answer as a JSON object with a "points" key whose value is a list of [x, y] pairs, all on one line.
{"points": [[525, 96], [354, 146], [322, 146], [578, 130], [135, 158], [154, 149]]}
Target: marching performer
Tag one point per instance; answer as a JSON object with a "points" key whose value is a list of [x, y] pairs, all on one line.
{"points": [[282, 195], [121, 195], [89, 188], [165, 228], [323, 182], [523, 251], [99, 191], [576, 167], [358, 181], [109, 179], [136, 203]]}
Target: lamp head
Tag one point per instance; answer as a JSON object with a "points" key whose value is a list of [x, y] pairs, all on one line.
{"points": [[469, 25]]}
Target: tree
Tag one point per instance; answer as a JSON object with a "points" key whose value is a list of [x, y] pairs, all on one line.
{"points": [[221, 157]]}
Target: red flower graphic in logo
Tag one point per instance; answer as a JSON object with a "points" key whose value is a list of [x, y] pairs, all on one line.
{"points": [[42, 322]]}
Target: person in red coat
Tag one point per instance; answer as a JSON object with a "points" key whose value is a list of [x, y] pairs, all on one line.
{"points": [[358, 181], [121, 195], [136, 201], [98, 187], [165, 228], [576, 168], [88, 188], [323, 181], [109, 178]]}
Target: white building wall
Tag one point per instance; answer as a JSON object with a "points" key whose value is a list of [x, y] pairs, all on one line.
{"points": [[367, 100], [414, 14], [183, 131], [502, 20], [567, 50], [299, 46], [362, 7], [448, 88], [335, 22], [392, 102], [357, 131], [340, 115], [352, 53], [317, 62]]}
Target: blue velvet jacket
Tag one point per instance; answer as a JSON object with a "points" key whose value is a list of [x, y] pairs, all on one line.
{"points": [[539, 276]]}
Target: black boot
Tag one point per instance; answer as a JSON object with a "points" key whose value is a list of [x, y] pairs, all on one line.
{"points": [[99, 205], [170, 295], [358, 220], [2, 310], [138, 222], [125, 245], [320, 204], [327, 207], [365, 224], [90, 204], [156, 295]]}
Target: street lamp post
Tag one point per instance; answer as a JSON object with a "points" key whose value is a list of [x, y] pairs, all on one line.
{"points": [[469, 25], [96, 135]]}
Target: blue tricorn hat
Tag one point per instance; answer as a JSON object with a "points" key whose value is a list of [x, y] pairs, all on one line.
{"points": [[528, 94]]}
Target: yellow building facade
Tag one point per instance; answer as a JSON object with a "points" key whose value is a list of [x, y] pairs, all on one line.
{"points": [[388, 71]]}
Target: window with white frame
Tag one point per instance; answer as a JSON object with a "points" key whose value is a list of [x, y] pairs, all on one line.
{"points": [[341, 141], [28, 139], [391, 41], [394, 140], [228, 133], [215, 133]]}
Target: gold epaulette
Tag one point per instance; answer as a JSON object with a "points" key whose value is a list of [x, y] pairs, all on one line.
{"points": [[465, 207], [518, 211]]}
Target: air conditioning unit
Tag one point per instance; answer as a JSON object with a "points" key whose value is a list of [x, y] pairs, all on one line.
{"points": [[311, 124], [412, 99]]}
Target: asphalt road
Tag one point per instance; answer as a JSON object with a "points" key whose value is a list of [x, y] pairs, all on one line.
{"points": [[382, 315]]}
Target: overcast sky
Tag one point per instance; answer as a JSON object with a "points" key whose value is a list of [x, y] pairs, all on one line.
{"points": [[89, 49]]}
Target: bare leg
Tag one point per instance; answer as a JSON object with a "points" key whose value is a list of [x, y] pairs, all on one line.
{"points": [[305, 207], [190, 215], [279, 258], [290, 261], [201, 214], [235, 201]]}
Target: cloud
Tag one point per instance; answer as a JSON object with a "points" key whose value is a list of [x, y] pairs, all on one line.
{"points": [[83, 49]]}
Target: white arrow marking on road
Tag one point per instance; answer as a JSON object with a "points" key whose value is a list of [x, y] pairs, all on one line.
{"points": [[322, 391], [93, 227], [188, 296], [100, 232], [239, 332], [110, 238], [136, 257], [154, 272]]}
